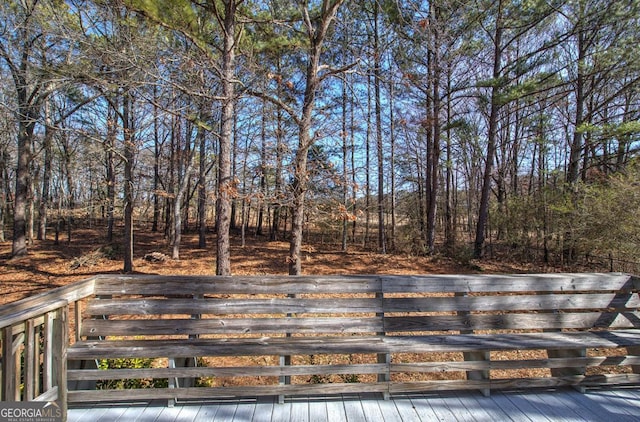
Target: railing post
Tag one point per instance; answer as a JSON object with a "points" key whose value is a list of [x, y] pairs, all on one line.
{"points": [[30, 361], [78, 320], [172, 382], [47, 363], [479, 375], [384, 358], [10, 371], [286, 360], [61, 334]]}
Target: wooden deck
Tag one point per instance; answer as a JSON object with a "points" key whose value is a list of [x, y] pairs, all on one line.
{"points": [[558, 405]]}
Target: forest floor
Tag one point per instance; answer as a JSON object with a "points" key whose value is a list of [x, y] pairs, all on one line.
{"points": [[49, 265]]}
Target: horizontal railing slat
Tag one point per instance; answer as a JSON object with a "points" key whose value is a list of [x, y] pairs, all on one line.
{"points": [[519, 341], [481, 283], [110, 327], [511, 364], [352, 345], [418, 367], [231, 371], [514, 383], [149, 306], [345, 388], [222, 392], [583, 321], [274, 346], [198, 285], [543, 302]]}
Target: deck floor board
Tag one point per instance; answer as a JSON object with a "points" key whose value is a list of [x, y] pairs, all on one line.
{"points": [[539, 406]]}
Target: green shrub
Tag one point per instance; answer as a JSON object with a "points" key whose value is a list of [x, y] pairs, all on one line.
{"points": [[129, 383]]}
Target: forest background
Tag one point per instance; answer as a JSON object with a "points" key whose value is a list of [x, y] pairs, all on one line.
{"points": [[461, 129]]}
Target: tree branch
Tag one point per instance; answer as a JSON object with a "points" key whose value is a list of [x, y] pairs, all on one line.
{"points": [[277, 102]]}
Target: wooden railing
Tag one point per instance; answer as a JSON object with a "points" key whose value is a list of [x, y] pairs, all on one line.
{"points": [[414, 331], [35, 335]]}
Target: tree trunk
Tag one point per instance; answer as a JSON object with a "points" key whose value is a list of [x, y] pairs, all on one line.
{"points": [[156, 165], [202, 186], [183, 187], [573, 170], [377, 76], [483, 213], [233, 224], [354, 185], [110, 144], [5, 192], [46, 173], [129, 156], [345, 172], [316, 35], [449, 225], [367, 168], [299, 192], [277, 188], [26, 127], [434, 160], [263, 170], [392, 163], [225, 183], [29, 86], [68, 155]]}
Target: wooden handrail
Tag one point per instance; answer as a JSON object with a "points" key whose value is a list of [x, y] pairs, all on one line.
{"points": [[22, 310]]}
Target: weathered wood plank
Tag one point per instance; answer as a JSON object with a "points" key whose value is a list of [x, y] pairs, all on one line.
{"points": [[519, 407], [49, 344], [409, 413], [513, 302], [222, 392], [61, 340], [438, 405], [30, 361], [275, 346], [565, 401], [263, 410], [31, 313], [531, 341], [487, 408], [244, 412], [586, 402], [390, 411], [451, 366], [226, 371], [355, 344], [299, 410], [355, 411], [513, 383], [9, 369], [230, 326], [208, 412], [49, 395], [149, 306], [581, 320], [318, 411], [336, 411], [479, 283], [197, 285]]}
